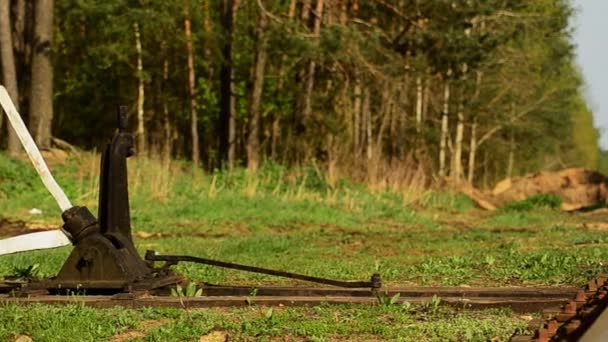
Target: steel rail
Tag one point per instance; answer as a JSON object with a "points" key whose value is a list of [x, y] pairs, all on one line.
{"points": [[517, 304], [414, 291], [519, 299], [582, 318]]}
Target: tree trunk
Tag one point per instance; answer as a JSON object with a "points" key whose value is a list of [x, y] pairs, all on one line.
{"points": [[511, 162], [22, 35], [276, 119], [472, 151], [227, 99], [356, 116], [167, 136], [419, 94], [425, 98], [474, 143], [9, 72], [393, 123], [192, 93], [310, 75], [306, 7], [141, 130], [457, 157], [367, 113], [41, 90], [206, 43], [307, 76], [343, 16], [385, 112], [404, 106], [253, 139], [19, 24], [443, 140]]}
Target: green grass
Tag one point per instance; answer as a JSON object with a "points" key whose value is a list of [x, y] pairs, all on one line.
{"points": [[296, 220], [535, 202], [397, 322]]}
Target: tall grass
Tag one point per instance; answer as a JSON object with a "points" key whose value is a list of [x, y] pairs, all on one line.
{"points": [[383, 190]]}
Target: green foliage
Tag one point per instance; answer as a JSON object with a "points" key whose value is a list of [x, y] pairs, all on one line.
{"points": [[472, 45], [191, 290], [604, 162], [540, 201], [28, 272], [585, 137], [386, 300], [433, 305], [15, 176]]}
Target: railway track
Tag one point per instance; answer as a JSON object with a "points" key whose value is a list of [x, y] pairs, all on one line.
{"points": [[519, 299], [105, 269], [583, 318]]}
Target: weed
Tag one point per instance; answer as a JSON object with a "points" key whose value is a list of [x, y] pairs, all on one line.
{"points": [[249, 299], [27, 272], [386, 300], [191, 290]]}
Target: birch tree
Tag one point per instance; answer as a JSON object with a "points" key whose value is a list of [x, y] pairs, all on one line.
{"points": [[253, 139], [141, 130], [192, 91]]}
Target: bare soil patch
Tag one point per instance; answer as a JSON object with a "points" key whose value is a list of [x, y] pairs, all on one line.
{"points": [[18, 227], [215, 336], [140, 332], [578, 188]]}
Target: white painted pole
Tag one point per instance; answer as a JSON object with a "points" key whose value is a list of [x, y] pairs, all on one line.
{"points": [[34, 241], [42, 240], [32, 151]]}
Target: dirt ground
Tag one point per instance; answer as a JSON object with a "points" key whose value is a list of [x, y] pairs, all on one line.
{"points": [[578, 188], [18, 227]]}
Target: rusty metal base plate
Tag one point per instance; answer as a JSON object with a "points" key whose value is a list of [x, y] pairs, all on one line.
{"points": [[103, 286]]}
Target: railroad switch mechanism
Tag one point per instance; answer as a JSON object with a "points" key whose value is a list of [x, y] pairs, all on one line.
{"points": [[104, 257]]}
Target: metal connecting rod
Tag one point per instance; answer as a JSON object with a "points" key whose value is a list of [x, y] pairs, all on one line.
{"points": [[374, 283]]}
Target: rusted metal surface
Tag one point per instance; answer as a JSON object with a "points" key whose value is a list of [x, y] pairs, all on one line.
{"points": [[520, 299], [8, 286], [104, 256], [441, 292], [583, 318], [374, 283], [144, 299]]}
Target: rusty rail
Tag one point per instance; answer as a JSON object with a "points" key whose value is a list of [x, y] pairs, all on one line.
{"points": [[520, 299], [582, 318], [518, 304]]}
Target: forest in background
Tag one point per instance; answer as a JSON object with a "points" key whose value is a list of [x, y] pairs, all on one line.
{"points": [[393, 92], [604, 162]]}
